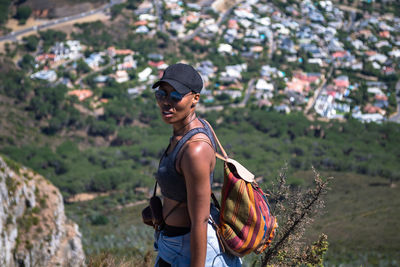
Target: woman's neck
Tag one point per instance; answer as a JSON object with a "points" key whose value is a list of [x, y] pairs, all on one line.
{"points": [[184, 125]]}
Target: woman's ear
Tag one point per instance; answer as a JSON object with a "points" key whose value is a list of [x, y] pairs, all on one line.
{"points": [[195, 100]]}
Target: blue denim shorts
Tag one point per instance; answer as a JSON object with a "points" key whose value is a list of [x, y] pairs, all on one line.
{"points": [[176, 250]]}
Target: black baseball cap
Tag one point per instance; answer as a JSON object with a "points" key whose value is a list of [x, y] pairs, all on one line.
{"points": [[184, 78]]}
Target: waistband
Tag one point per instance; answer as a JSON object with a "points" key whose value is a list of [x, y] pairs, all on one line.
{"points": [[172, 231]]}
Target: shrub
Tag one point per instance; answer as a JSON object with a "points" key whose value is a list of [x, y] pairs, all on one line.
{"points": [[98, 219], [23, 14]]}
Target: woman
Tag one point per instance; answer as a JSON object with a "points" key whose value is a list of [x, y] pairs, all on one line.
{"points": [[185, 175]]}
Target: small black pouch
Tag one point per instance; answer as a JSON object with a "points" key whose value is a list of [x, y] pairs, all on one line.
{"points": [[157, 212], [147, 216], [153, 214]]}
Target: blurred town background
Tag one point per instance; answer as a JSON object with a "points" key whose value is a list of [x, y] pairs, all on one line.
{"points": [[288, 84]]}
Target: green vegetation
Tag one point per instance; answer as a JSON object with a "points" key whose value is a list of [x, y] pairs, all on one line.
{"points": [[118, 151], [12, 164], [23, 13], [27, 221], [31, 42], [360, 220], [94, 34], [4, 5], [356, 207], [123, 235], [369, 149], [50, 37], [11, 185]]}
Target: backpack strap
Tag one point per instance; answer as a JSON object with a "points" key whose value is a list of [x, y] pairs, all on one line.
{"points": [[224, 156], [242, 171]]}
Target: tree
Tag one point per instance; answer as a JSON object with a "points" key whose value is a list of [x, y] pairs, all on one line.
{"points": [[31, 42], [116, 10], [27, 62], [4, 5], [102, 128], [133, 4], [294, 209], [23, 14], [49, 37], [82, 66]]}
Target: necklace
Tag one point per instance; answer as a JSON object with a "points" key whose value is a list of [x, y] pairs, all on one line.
{"points": [[175, 132]]}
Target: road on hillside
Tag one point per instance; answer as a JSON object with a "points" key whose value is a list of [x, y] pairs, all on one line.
{"points": [[271, 43], [13, 35], [314, 98], [157, 4]]}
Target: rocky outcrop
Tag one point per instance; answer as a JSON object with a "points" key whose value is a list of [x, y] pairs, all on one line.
{"points": [[224, 5], [34, 229]]}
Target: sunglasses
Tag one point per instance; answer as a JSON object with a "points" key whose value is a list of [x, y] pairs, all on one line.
{"points": [[174, 96]]}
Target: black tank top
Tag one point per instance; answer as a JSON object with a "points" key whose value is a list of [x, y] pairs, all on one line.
{"points": [[172, 183]]}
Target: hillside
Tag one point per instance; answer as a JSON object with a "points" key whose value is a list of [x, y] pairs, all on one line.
{"points": [[361, 220], [35, 230], [288, 83]]}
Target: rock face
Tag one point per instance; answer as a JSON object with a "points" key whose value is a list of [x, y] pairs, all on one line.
{"points": [[223, 5], [34, 229]]}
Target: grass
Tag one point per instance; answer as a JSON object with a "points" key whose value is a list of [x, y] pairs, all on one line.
{"points": [[361, 219], [123, 236]]}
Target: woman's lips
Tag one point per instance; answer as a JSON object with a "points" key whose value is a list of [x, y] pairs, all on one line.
{"points": [[167, 114]]}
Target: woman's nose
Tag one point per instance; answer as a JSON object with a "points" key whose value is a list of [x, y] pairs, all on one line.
{"points": [[166, 102]]}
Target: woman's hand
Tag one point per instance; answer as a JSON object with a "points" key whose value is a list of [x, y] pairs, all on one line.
{"points": [[198, 161]]}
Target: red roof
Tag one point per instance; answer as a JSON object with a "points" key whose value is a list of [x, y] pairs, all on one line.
{"points": [[341, 83], [112, 50], [306, 77], [370, 53], [81, 94], [232, 24], [339, 54], [332, 93], [156, 64], [140, 23], [384, 34], [45, 56], [372, 109], [381, 97]]}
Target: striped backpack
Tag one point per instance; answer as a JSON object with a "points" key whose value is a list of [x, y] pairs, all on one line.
{"points": [[246, 223]]}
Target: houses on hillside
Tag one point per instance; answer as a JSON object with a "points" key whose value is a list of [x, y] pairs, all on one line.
{"points": [[296, 53]]}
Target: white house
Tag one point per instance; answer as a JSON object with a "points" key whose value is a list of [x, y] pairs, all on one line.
{"points": [[142, 29], [375, 91], [75, 48], [235, 71], [378, 57], [147, 17], [315, 61], [263, 85], [212, 28], [144, 75], [94, 60], [129, 63], [225, 48], [121, 76], [47, 75], [375, 117], [266, 21], [394, 53]]}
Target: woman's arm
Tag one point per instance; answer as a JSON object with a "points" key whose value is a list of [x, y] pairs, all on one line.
{"points": [[196, 164]]}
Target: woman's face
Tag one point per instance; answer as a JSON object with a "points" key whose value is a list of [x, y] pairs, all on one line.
{"points": [[171, 111]]}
